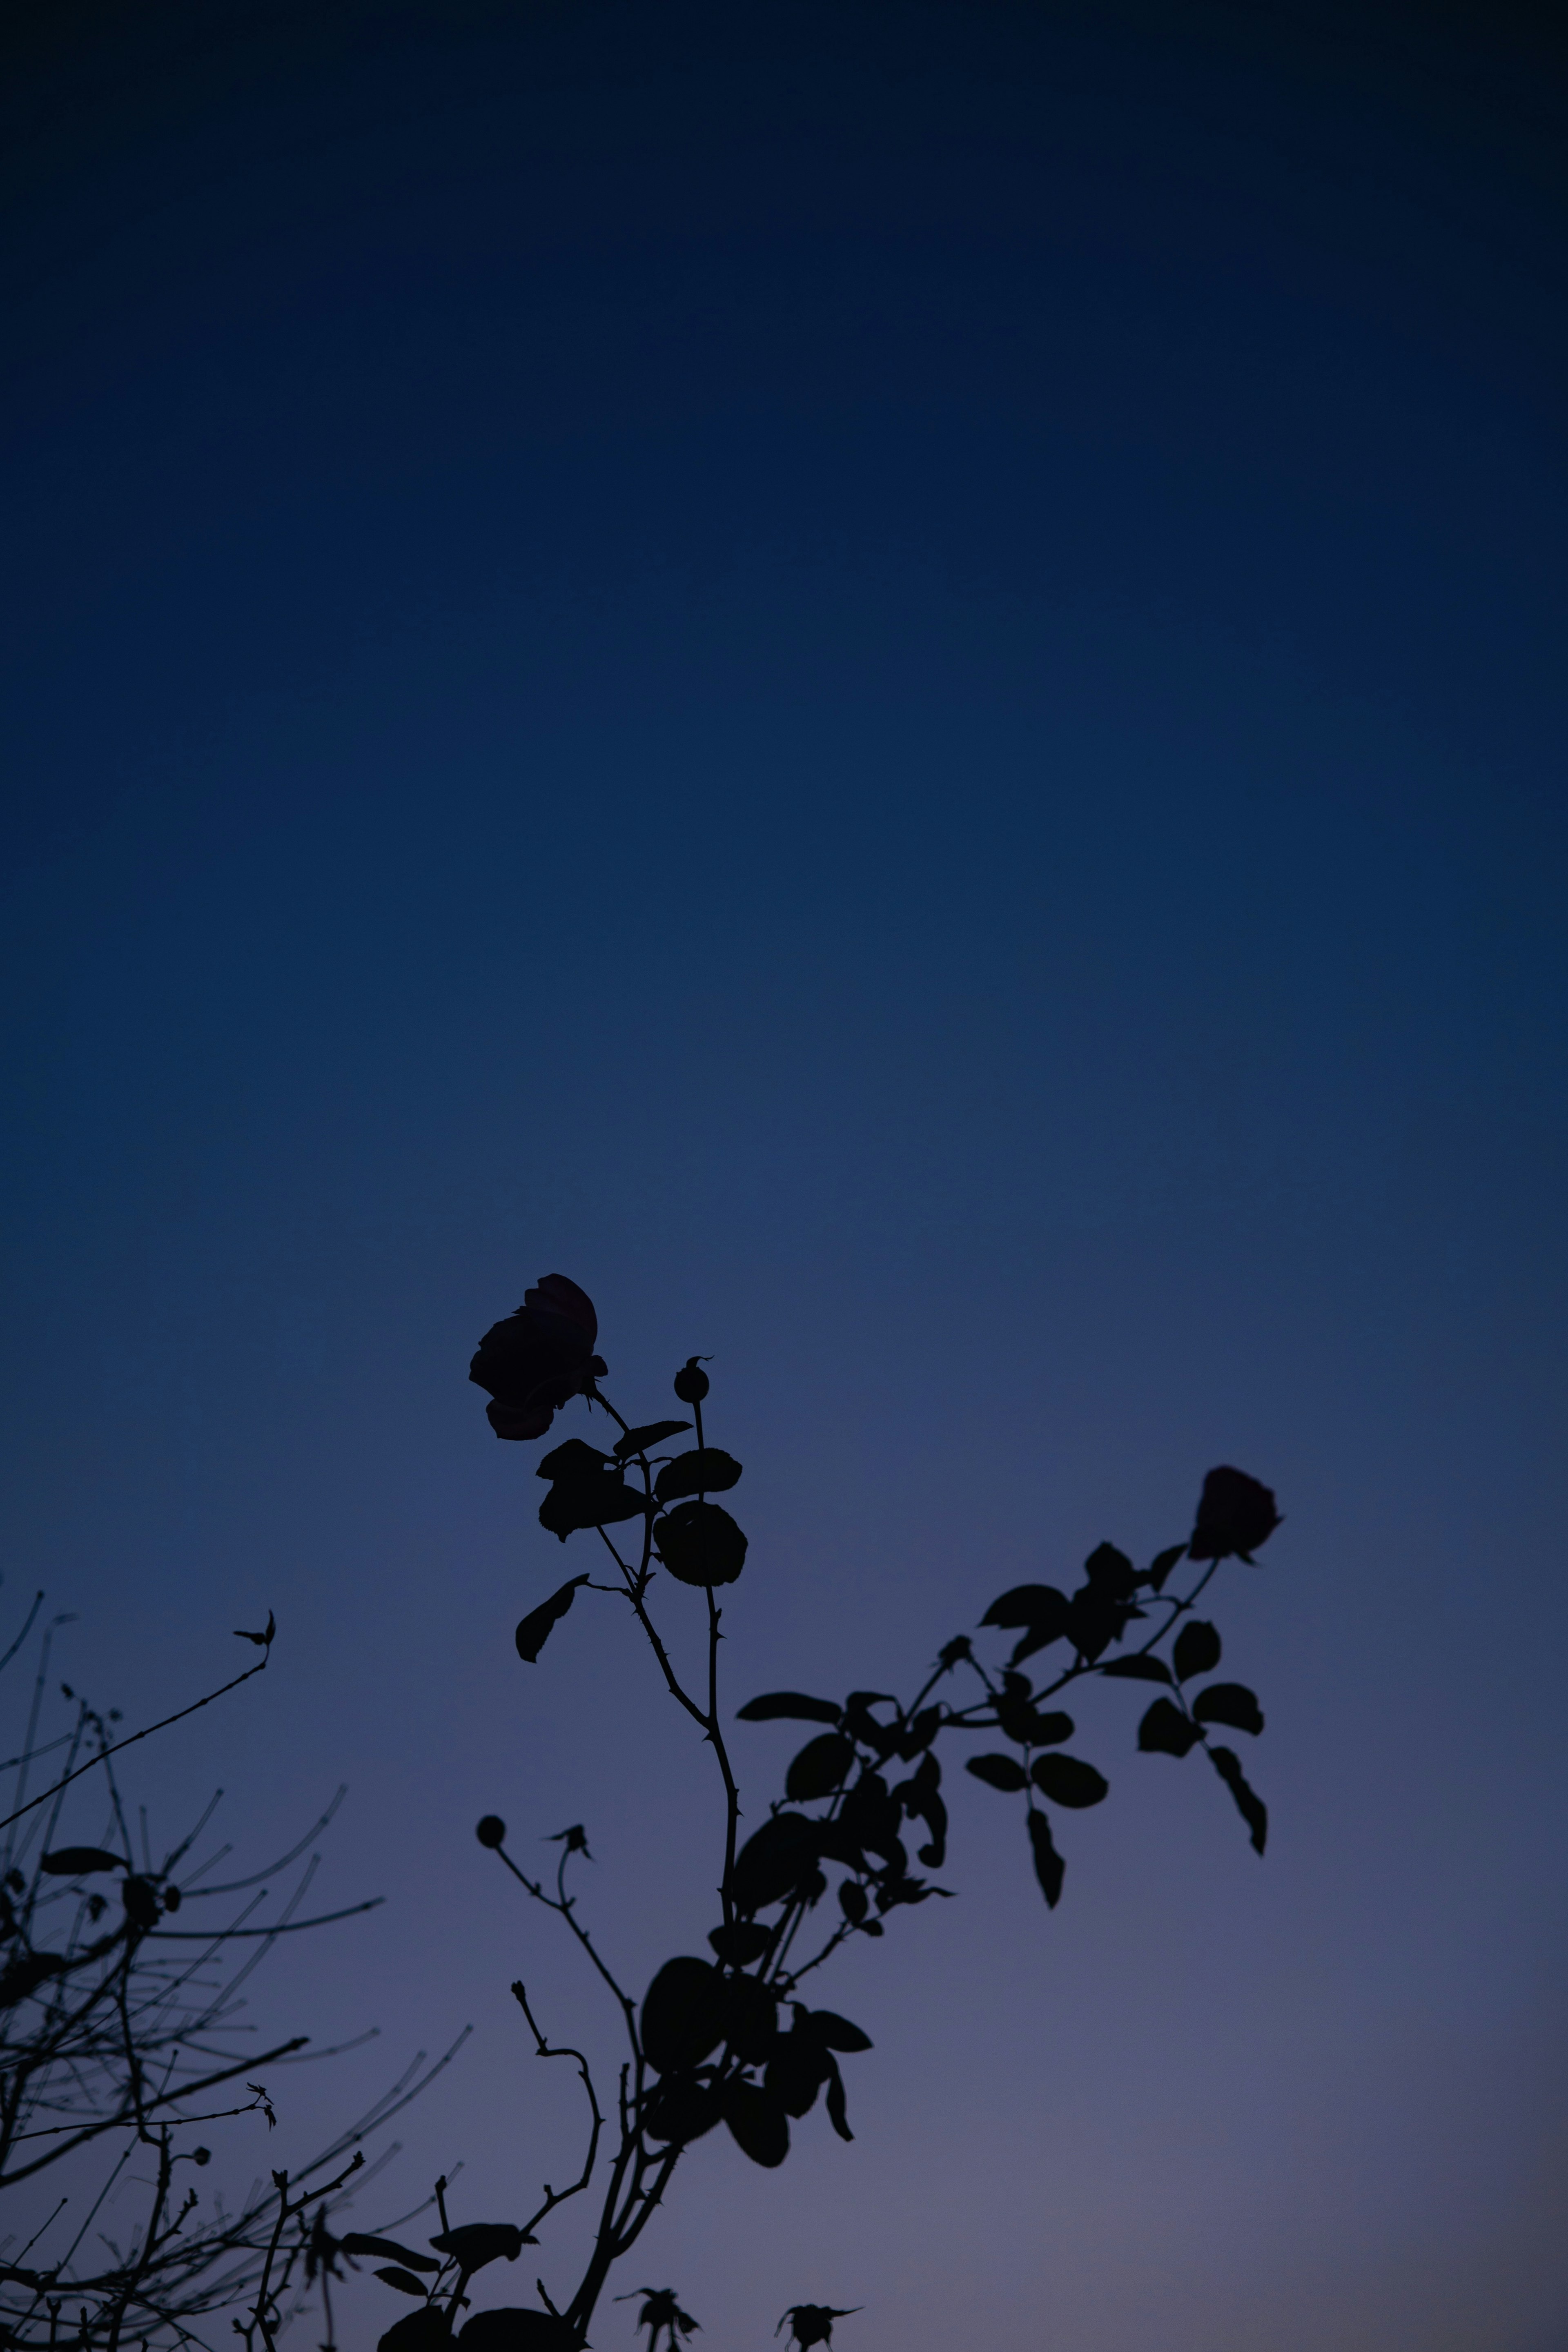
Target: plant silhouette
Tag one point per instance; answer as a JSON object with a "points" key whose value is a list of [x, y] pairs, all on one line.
{"points": [[731, 2037], [117, 2058], [809, 2323]]}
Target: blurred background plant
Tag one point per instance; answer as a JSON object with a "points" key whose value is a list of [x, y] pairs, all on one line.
{"points": [[125, 2050]]}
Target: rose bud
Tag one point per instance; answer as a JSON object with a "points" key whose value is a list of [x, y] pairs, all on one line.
{"points": [[1235, 1514], [538, 1358]]}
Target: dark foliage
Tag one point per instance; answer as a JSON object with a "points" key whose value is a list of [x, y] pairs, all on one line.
{"points": [[732, 2039]]}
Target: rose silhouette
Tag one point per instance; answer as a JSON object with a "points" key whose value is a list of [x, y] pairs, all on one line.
{"points": [[1235, 1514], [533, 1361]]}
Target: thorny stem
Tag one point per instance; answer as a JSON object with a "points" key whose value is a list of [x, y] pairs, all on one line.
{"points": [[553, 2196], [633, 1585], [732, 1793], [567, 1912]]}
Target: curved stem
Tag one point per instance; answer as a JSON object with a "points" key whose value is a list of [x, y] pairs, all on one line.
{"points": [[553, 2196], [732, 1793]]}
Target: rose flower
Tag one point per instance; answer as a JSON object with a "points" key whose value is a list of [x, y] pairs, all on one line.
{"points": [[1235, 1514], [538, 1358]]}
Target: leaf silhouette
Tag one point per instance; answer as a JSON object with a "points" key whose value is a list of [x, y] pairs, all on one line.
{"points": [[1039, 1606], [475, 2243], [919, 1733], [1231, 1704], [700, 1544], [860, 1723], [22, 1978], [758, 2124], [681, 2108], [797, 2072], [1003, 1772], [572, 1460], [1052, 1728], [500, 2330], [357, 2243], [706, 1470], [1016, 1715], [1197, 1650], [1111, 1572], [750, 2014], [794, 1705], [78, 1861], [405, 2280], [535, 1628], [1248, 1804], [740, 1944], [820, 1767], [601, 1500], [1138, 1669], [838, 2114], [1094, 1620], [651, 1433], [1165, 1730], [1162, 1564], [683, 2014], [833, 2031], [1068, 1780], [774, 1861], [428, 2329], [869, 1815], [1049, 1868]]}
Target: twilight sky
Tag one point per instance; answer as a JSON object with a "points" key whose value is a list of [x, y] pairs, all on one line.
{"points": [[886, 680]]}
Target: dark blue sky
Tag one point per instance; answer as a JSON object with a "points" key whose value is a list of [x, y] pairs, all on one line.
{"points": [[888, 680]]}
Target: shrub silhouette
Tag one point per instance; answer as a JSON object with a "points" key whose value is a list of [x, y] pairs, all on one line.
{"points": [[729, 2038]]}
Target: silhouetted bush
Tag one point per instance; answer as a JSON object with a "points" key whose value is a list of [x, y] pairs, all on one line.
{"points": [[731, 2037]]}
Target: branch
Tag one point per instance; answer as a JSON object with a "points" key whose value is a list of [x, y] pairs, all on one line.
{"points": [[628, 2006], [104, 1754], [553, 2196]]}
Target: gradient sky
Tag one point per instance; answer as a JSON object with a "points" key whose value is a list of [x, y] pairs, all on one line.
{"points": [[889, 680]]}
